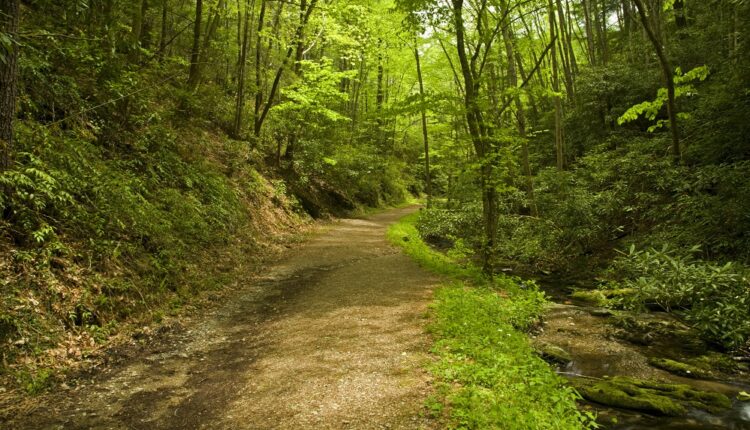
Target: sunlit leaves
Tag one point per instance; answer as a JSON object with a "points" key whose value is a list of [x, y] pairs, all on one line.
{"points": [[650, 109]]}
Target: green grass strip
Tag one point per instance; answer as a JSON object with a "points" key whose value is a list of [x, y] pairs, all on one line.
{"points": [[487, 375]]}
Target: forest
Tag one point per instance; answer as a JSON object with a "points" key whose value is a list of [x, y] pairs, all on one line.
{"points": [[576, 162]]}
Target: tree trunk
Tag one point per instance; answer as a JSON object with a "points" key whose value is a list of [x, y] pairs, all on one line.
{"points": [[666, 69], [194, 77], [280, 71], [9, 20], [510, 52], [139, 11], [423, 111], [164, 29], [559, 144], [565, 51], [241, 67], [259, 69], [602, 30], [211, 26], [679, 14], [477, 131], [591, 45]]}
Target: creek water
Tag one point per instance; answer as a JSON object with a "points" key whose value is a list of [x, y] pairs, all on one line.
{"points": [[598, 349]]}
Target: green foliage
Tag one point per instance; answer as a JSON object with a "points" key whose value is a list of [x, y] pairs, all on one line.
{"points": [[714, 298], [488, 375], [35, 382], [650, 109], [437, 225]]}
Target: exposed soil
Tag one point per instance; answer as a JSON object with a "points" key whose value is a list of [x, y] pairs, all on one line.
{"points": [[331, 337]]}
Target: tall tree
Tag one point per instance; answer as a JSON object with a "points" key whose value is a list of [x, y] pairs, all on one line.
{"points": [[425, 137], [510, 52], [667, 75], [9, 19], [298, 34], [242, 66], [194, 76], [559, 139], [472, 65]]}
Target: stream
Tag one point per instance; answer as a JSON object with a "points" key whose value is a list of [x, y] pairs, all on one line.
{"points": [[600, 343]]}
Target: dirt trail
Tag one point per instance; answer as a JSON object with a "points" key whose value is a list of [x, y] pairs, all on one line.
{"points": [[332, 337]]}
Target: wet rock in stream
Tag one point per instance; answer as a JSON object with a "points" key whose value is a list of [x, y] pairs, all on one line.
{"points": [[650, 396], [679, 368], [553, 354]]}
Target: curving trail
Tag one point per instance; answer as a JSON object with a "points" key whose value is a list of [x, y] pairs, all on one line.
{"points": [[331, 337]]}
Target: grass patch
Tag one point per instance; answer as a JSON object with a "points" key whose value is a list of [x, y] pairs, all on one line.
{"points": [[487, 374]]}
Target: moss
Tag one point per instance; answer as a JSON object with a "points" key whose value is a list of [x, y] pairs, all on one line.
{"points": [[552, 353], [680, 368], [601, 297], [651, 397], [715, 361]]}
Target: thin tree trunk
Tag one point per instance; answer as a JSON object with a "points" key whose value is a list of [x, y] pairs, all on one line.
{"points": [[591, 45], [423, 111], [211, 26], [566, 53], [164, 29], [679, 14], [139, 9], [508, 38], [259, 69], [666, 69], [9, 21], [602, 30], [280, 71], [194, 77], [299, 53], [559, 144], [241, 68], [570, 34]]}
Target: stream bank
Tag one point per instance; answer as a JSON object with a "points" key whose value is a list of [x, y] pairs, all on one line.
{"points": [[600, 350]]}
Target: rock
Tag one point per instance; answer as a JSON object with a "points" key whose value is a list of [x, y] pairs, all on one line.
{"points": [[600, 312], [601, 298], [651, 397], [553, 353], [679, 368]]}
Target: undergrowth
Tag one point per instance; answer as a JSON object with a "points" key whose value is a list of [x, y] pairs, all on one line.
{"points": [[487, 374], [94, 239]]}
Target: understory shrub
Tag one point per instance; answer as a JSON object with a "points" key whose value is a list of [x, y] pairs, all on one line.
{"points": [[713, 298]]}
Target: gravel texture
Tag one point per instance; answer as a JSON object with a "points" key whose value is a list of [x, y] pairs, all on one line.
{"points": [[330, 337]]}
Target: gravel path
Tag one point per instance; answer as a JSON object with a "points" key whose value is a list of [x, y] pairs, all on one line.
{"points": [[331, 337]]}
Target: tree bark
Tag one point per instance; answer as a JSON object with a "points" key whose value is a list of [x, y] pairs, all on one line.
{"points": [[241, 68], [590, 44], [666, 69], [280, 71], [259, 69], [425, 138], [559, 143], [510, 52], [164, 29], [679, 14], [298, 56], [9, 21], [194, 77], [477, 131], [565, 51]]}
